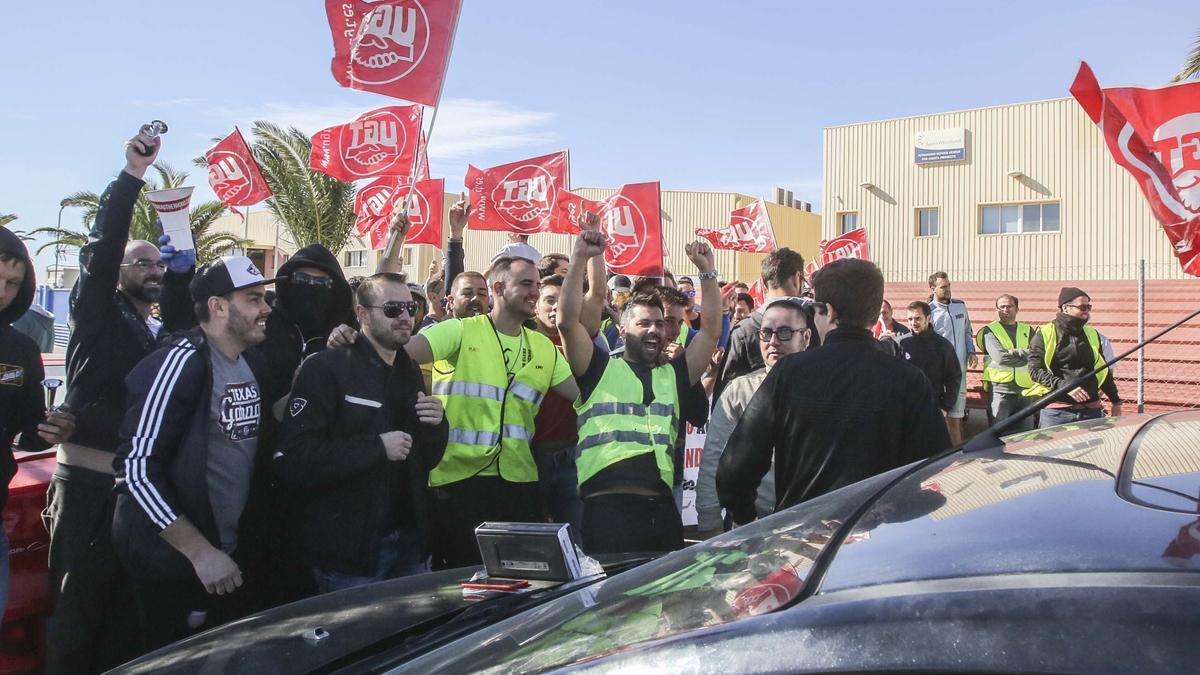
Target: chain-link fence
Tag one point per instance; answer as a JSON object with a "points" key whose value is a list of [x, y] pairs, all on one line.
{"points": [[1130, 304]]}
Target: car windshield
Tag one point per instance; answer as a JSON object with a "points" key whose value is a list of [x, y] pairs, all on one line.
{"points": [[749, 571]]}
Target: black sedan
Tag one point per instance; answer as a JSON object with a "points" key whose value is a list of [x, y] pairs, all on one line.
{"points": [[1070, 549]]}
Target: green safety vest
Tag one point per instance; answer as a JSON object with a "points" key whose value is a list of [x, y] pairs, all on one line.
{"points": [[1050, 338], [1003, 374], [490, 415], [614, 425]]}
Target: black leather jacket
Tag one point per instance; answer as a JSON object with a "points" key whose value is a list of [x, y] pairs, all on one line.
{"points": [[830, 417]]}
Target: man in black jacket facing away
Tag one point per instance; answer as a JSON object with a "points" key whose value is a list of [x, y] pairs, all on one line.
{"points": [[90, 630], [185, 468], [835, 415], [360, 436], [926, 349]]}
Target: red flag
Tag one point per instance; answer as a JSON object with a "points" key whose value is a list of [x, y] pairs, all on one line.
{"points": [[1155, 135], [397, 48], [233, 172], [631, 219], [749, 230], [372, 201], [377, 143], [759, 292], [853, 244], [520, 196], [424, 212]]}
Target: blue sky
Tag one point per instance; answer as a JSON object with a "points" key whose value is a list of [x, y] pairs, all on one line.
{"points": [[700, 94]]}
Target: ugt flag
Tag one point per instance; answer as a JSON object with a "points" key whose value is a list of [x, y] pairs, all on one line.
{"points": [[1155, 135], [425, 210], [372, 202], [749, 230], [397, 48], [631, 220], [381, 142], [520, 196], [853, 244], [233, 172]]}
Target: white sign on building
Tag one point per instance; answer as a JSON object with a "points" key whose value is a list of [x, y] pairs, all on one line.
{"points": [[940, 145]]}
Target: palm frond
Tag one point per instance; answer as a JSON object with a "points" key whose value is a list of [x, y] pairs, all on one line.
{"points": [[59, 237], [88, 201], [1191, 65], [6, 218]]}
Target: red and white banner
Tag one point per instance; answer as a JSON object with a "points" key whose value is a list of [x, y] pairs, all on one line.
{"points": [[377, 203], [853, 244], [1155, 135], [233, 172], [758, 291], [397, 48], [749, 230], [631, 219], [520, 196], [381, 142]]}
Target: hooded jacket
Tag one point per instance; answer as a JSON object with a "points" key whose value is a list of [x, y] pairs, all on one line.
{"points": [[297, 327], [1072, 358], [22, 404]]}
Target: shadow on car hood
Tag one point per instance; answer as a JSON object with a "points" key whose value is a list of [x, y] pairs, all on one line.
{"points": [[273, 642]]}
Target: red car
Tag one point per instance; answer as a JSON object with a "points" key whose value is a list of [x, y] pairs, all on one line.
{"points": [[23, 634]]}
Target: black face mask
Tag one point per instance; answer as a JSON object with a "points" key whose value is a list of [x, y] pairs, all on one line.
{"points": [[307, 306]]}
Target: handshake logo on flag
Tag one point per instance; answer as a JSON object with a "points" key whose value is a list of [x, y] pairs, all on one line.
{"points": [[1177, 144], [524, 197], [388, 47]]}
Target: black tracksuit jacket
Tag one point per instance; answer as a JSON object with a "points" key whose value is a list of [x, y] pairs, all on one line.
{"points": [[344, 491]]}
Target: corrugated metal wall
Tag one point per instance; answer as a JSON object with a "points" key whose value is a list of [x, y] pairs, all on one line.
{"points": [[1106, 225]]}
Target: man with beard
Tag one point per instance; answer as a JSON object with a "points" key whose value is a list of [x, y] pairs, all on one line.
{"points": [[360, 437], [1063, 350], [952, 321], [113, 329], [629, 407], [187, 458], [496, 377]]}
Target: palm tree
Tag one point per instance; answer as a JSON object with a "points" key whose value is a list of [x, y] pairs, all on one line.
{"points": [[1191, 66], [315, 208], [145, 220]]}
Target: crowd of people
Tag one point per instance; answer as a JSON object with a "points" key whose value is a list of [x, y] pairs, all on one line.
{"points": [[231, 442]]}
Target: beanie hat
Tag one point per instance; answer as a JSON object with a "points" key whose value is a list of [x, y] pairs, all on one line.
{"points": [[1069, 293]]}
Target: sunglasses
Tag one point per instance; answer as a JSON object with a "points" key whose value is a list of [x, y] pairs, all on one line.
{"points": [[306, 279], [395, 308], [143, 264], [784, 333], [1083, 308]]}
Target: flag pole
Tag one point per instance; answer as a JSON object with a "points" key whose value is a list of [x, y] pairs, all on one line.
{"points": [[428, 134]]}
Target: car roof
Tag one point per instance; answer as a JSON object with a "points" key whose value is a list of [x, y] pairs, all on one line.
{"points": [[1115, 494]]}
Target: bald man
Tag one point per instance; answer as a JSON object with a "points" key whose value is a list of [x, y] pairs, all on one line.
{"points": [[93, 627]]}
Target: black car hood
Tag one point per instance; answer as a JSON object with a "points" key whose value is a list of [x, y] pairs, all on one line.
{"points": [[273, 641]]}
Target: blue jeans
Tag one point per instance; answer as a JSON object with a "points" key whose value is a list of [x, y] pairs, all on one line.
{"points": [[1049, 417], [558, 482], [401, 554]]}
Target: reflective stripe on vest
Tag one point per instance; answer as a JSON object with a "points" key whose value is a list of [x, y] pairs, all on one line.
{"points": [[615, 426], [491, 417], [1050, 339], [1004, 374]]}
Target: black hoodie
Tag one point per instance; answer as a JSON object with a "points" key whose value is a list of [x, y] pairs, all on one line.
{"points": [[294, 330], [22, 403]]}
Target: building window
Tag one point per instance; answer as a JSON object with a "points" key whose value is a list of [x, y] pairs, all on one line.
{"points": [[356, 258], [1019, 218], [847, 222], [927, 222]]}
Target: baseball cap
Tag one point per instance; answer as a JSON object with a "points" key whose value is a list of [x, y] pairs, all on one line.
{"points": [[418, 289], [224, 275], [620, 283]]}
